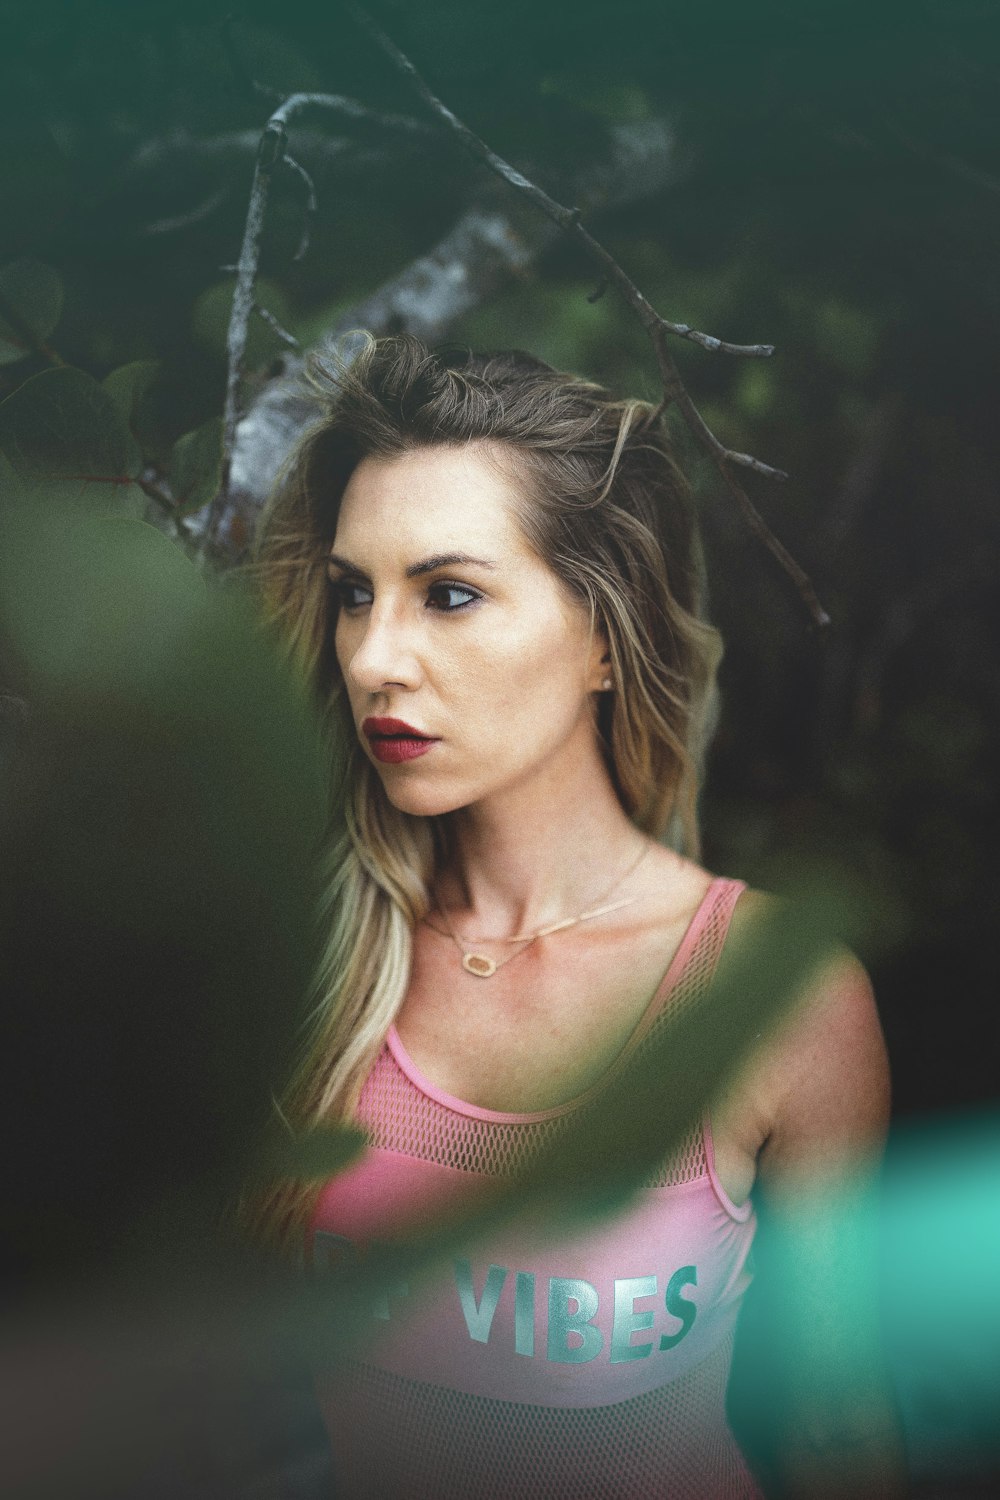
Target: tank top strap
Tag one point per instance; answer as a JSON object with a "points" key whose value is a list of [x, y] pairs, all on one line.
{"points": [[693, 965]]}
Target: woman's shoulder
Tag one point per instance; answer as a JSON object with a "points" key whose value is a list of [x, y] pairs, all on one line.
{"points": [[674, 888], [838, 981], [823, 1066]]}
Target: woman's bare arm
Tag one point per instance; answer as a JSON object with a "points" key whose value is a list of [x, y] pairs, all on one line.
{"points": [[817, 1176]]}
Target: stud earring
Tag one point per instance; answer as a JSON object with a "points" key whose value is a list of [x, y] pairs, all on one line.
{"points": [[606, 683]]}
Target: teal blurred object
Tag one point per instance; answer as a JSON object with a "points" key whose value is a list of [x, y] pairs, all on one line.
{"points": [[941, 1291]]}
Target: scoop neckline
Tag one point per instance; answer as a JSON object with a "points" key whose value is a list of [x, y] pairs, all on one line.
{"points": [[691, 935]]}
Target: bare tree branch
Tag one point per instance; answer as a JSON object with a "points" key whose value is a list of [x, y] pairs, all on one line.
{"points": [[270, 153], [272, 150], [567, 218], [180, 147], [491, 242], [275, 326], [656, 326], [272, 145], [196, 214], [172, 156], [310, 208]]}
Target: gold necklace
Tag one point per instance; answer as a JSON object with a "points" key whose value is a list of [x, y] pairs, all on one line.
{"points": [[484, 967]]}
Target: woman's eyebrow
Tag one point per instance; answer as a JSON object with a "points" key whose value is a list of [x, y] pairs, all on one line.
{"points": [[427, 565], [447, 560]]}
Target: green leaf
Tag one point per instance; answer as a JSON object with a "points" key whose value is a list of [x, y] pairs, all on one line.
{"points": [[62, 424], [196, 466], [97, 575], [125, 501], [115, 501], [316, 1155], [161, 810], [32, 294], [128, 384]]}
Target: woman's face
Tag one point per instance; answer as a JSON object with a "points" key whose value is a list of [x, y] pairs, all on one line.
{"points": [[449, 623]]}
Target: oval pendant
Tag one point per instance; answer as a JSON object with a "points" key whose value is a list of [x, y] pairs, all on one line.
{"points": [[479, 964]]}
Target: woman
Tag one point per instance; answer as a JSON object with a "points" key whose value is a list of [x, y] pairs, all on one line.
{"points": [[490, 571]]}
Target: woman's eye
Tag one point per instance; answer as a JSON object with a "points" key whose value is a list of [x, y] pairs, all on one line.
{"points": [[451, 596], [347, 594], [445, 597]]}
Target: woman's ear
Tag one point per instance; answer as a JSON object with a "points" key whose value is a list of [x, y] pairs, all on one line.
{"points": [[599, 677]]}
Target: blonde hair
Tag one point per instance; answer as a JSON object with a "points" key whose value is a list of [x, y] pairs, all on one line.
{"points": [[604, 503]]}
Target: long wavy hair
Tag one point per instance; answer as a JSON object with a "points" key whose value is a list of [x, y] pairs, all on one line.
{"points": [[603, 502]]}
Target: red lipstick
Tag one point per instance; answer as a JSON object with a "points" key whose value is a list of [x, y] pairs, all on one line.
{"points": [[393, 740]]}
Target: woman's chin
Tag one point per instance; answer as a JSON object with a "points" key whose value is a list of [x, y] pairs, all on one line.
{"points": [[420, 801]]}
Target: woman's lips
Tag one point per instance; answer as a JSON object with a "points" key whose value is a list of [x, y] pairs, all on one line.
{"points": [[396, 749], [393, 740]]}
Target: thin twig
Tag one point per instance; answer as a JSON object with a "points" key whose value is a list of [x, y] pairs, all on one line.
{"points": [[271, 146], [167, 504], [149, 487], [270, 154], [487, 244], [656, 326], [196, 215], [310, 210], [566, 218], [275, 326]]}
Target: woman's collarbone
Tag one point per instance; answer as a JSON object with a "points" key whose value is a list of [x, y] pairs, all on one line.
{"points": [[525, 1040]]}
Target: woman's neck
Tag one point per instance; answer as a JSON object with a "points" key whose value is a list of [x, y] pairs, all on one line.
{"points": [[534, 854]]}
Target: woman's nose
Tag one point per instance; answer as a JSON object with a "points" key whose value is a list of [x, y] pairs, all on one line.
{"points": [[385, 656]]}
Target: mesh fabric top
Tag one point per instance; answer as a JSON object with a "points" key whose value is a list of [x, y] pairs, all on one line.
{"points": [[593, 1364]]}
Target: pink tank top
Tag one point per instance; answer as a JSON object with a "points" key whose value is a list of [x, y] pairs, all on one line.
{"points": [[593, 1364]]}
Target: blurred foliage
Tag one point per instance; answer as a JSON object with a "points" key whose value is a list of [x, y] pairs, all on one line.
{"points": [[162, 803]]}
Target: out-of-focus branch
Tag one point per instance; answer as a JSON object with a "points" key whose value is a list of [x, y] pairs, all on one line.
{"points": [[568, 219], [272, 323], [310, 209], [179, 148], [494, 239], [271, 152], [196, 214], [157, 167], [351, 109]]}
